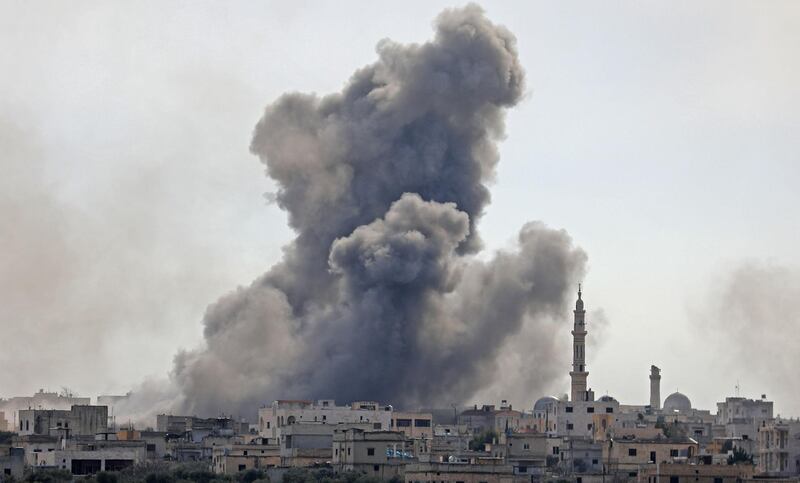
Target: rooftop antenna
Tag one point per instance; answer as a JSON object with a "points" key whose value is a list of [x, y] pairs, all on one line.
{"points": [[737, 388]]}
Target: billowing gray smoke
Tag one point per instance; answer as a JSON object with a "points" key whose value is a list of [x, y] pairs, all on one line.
{"points": [[379, 297], [752, 315]]}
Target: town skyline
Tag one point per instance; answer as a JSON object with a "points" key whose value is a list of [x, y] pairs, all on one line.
{"points": [[649, 173]]}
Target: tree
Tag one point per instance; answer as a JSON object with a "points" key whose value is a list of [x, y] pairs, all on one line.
{"points": [[478, 443], [740, 456]]}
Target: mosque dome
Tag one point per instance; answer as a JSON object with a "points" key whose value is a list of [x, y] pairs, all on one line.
{"points": [[677, 402], [542, 404], [606, 398]]}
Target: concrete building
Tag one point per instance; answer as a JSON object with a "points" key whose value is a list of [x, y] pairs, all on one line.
{"points": [[478, 420], [740, 418], [448, 440], [496, 472], [306, 444], [4, 424], [155, 442], [80, 455], [779, 448], [282, 413], [695, 473], [89, 461], [629, 456], [36, 447], [382, 454], [196, 429], [545, 415], [735, 409], [77, 421], [587, 419], [40, 400], [490, 418], [525, 452], [580, 457], [412, 424], [233, 458], [12, 464]]}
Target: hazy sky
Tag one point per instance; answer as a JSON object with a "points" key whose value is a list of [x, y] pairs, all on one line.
{"points": [[664, 137]]}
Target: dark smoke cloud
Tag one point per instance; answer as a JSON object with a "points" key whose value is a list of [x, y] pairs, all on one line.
{"points": [[380, 296], [751, 320]]}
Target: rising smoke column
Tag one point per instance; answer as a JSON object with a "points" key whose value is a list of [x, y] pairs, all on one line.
{"points": [[379, 296]]}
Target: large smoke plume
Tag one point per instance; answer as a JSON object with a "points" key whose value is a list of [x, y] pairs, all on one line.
{"points": [[750, 318], [380, 296]]}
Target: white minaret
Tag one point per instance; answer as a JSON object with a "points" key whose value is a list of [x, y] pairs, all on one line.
{"points": [[579, 373]]}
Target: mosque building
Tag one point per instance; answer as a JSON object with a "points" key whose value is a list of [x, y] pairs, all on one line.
{"points": [[581, 415]]}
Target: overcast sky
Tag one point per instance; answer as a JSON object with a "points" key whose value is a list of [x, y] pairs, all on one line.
{"points": [[664, 137]]}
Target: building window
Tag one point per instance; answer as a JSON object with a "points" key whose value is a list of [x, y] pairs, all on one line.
{"points": [[376, 425], [674, 479], [403, 423], [594, 462], [673, 453], [376, 468], [324, 417], [370, 451], [348, 451], [609, 410], [523, 469], [631, 451], [590, 409], [267, 424], [244, 452], [526, 446], [568, 409], [717, 480], [555, 449], [632, 474], [569, 426], [422, 423], [242, 467]]}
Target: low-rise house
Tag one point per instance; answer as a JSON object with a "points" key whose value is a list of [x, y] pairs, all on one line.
{"points": [[306, 444], [155, 441], [231, 459], [383, 454], [525, 452], [495, 472], [12, 464], [285, 413], [779, 448], [77, 421], [412, 424], [581, 456], [694, 473], [37, 449], [627, 456]]}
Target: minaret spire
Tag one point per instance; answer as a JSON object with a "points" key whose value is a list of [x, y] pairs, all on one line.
{"points": [[579, 374]]}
